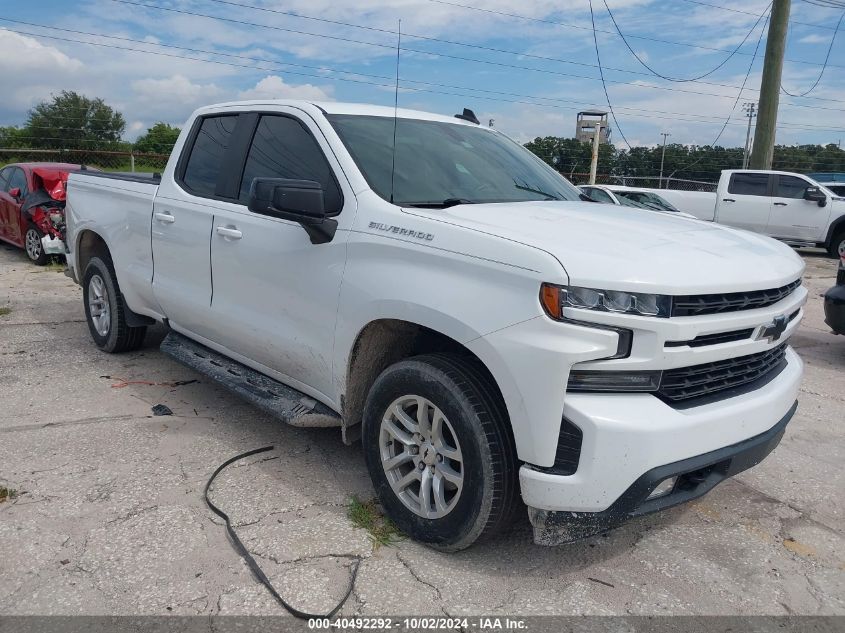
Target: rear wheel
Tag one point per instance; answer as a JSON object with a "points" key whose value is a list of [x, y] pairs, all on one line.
{"points": [[439, 450], [33, 246], [104, 309]]}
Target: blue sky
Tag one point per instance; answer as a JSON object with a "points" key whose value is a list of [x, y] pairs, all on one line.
{"points": [[542, 72]]}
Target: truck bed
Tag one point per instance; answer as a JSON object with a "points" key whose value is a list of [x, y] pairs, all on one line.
{"points": [[120, 206]]}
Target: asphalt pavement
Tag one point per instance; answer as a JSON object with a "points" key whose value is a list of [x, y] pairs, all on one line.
{"points": [[109, 518]]}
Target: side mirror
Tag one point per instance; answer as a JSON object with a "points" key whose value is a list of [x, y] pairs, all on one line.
{"points": [[814, 194], [15, 192], [296, 200]]}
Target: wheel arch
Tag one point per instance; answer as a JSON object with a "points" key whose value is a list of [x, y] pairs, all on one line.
{"points": [[836, 227], [381, 343]]}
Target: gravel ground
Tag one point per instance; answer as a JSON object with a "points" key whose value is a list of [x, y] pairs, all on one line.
{"points": [[110, 519]]}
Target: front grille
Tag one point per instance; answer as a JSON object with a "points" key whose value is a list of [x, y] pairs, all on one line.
{"points": [[696, 305], [713, 339], [708, 378]]}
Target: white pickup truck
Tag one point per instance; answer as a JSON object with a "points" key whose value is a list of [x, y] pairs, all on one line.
{"points": [[790, 207], [455, 304]]}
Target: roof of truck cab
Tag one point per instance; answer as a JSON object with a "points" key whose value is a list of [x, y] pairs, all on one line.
{"points": [[336, 107]]}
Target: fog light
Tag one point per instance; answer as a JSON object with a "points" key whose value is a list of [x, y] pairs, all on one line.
{"points": [[663, 488]]}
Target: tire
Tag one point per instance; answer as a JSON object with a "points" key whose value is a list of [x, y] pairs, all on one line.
{"points": [[104, 309], [33, 246], [836, 248], [475, 442]]}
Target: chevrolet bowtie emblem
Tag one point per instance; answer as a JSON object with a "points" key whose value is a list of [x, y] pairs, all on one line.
{"points": [[774, 331]]}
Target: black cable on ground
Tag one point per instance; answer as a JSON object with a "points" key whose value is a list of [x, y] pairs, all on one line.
{"points": [[241, 549]]}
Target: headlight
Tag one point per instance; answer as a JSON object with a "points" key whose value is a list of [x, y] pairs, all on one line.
{"points": [[555, 298]]}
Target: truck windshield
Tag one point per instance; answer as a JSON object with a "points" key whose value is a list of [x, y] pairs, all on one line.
{"points": [[442, 164]]}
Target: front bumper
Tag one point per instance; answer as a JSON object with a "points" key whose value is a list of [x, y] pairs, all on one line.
{"points": [[626, 435], [834, 308], [696, 476]]}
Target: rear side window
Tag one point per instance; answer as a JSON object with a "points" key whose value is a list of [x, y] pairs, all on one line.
{"points": [[18, 180], [283, 148], [749, 184], [207, 154], [791, 187]]}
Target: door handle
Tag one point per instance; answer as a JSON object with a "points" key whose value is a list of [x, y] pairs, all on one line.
{"points": [[166, 218], [728, 200], [781, 204], [232, 234]]}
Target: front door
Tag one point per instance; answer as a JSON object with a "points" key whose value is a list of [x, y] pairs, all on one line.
{"points": [[793, 217], [275, 293], [747, 203]]}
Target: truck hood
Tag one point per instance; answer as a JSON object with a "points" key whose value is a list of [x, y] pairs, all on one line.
{"points": [[602, 245]]}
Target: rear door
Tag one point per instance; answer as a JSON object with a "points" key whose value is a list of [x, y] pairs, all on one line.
{"points": [[275, 293], [747, 202], [793, 217], [183, 213]]}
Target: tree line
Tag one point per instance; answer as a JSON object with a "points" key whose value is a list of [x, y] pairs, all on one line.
{"points": [[71, 121], [693, 162]]}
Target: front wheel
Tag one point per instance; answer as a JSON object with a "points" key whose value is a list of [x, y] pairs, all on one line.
{"points": [[104, 310], [439, 450], [33, 246]]}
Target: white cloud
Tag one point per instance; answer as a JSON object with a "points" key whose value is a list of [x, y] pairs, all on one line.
{"points": [[175, 89], [815, 38], [20, 53], [274, 87]]}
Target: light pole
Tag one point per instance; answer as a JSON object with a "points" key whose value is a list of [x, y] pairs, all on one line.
{"points": [[662, 156], [750, 113], [594, 161]]}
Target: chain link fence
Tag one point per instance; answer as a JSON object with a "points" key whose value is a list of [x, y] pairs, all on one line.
{"points": [[650, 182], [99, 159]]}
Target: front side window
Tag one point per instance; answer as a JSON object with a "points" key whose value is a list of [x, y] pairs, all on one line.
{"points": [[283, 148], [207, 154], [745, 184], [4, 178], [791, 187], [438, 164]]}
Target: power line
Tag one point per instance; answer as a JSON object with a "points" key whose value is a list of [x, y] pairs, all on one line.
{"points": [[677, 79], [639, 85], [387, 32], [732, 10], [824, 66], [738, 96], [639, 37], [359, 81], [601, 72]]}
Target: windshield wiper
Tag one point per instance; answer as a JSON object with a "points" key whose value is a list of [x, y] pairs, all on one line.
{"points": [[444, 204], [548, 196]]}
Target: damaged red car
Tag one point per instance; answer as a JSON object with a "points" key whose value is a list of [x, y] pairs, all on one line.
{"points": [[32, 207]]}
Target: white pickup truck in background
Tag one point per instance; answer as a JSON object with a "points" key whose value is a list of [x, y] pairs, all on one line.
{"points": [[435, 290], [789, 207]]}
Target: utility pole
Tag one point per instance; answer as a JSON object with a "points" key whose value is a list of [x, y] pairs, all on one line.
{"points": [[767, 115], [749, 112], [662, 156], [594, 161]]}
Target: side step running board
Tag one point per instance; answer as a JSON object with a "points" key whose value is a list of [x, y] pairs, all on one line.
{"points": [[285, 403]]}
